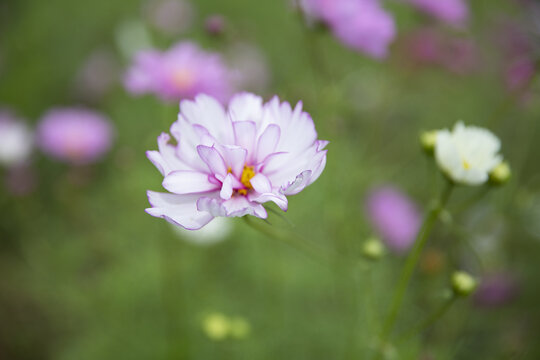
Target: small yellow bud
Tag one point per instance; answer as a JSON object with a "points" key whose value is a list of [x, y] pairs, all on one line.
{"points": [[500, 173], [428, 140], [373, 249], [463, 284], [216, 326], [239, 328]]}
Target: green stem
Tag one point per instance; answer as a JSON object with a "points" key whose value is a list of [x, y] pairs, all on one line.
{"points": [[410, 264], [431, 319], [298, 243]]}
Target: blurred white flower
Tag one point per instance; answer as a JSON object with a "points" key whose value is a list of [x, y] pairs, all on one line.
{"points": [[215, 232], [16, 140], [467, 154]]}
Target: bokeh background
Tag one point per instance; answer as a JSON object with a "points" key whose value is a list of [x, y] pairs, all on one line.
{"points": [[86, 274]]}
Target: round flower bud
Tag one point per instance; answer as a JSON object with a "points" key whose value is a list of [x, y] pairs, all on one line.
{"points": [[428, 140], [500, 173], [373, 249], [463, 283], [216, 326]]}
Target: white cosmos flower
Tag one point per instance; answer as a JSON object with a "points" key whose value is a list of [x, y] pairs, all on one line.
{"points": [[467, 154], [16, 140]]}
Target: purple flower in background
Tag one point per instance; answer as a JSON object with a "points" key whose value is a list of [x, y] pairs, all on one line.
{"points": [[170, 16], [16, 140], [75, 135], [182, 72], [496, 290], [228, 162], [394, 216], [214, 24], [433, 47], [453, 12], [362, 25]]}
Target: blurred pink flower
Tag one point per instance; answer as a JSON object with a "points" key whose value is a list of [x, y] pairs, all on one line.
{"points": [[75, 135], [496, 290], [433, 47], [519, 74], [362, 25], [394, 216], [16, 140], [182, 72], [214, 24], [454, 12], [170, 16], [228, 162]]}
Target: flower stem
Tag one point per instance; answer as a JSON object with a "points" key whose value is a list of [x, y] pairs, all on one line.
{"points": [[431, 319], [297, 242], [411, 262]]}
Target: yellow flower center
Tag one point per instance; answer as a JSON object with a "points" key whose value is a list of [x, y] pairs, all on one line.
{"points": [[466, 165], [247, 174]]}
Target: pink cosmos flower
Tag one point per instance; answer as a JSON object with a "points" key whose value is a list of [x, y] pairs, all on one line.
{"points": [[75, 135], [395, 217], [362, 25], [228, 162], [182, 72], [453, 12]]}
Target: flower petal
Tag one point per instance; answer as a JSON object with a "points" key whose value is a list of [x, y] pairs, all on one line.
{"points": [[178, 209], [213, 159], [245, 132], [239, 206], [261, 184], [268, 141], [188, 182]]}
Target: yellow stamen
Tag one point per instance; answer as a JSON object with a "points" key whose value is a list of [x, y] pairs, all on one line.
{"points": [[183, 79], [247, 174], [466, 165], [242, 192]]}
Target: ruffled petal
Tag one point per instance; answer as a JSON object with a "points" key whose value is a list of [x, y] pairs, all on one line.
{"points": [[188, 182], [179, 210]]}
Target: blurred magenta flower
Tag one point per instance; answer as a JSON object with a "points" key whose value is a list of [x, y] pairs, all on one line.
{"points": [[74, 135], [172, 17], [16, 140], [453, 12], [496, 290], [182, 72], [432, 47], [228, 162], [395, 217], [214, 24], [362, 25]]}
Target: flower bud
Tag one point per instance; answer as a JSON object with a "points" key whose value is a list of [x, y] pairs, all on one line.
{"points": [[216, 326], [463, 283], [373, 249], [428, 140], [215, 25], [500, 173]]}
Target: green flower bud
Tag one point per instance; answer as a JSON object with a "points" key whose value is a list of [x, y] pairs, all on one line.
{"points": [[500, 173], [428, 140], [463, 284], [373, 249], [216, 326]]}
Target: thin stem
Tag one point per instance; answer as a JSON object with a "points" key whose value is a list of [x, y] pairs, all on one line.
{"points": [[411, 262], [431, 319], [297, 242]]}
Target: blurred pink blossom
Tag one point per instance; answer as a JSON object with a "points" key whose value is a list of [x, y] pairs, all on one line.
{"points": [[496, 289], [362, 25], [181, 72], [97, 75], [74, 135], [454, 12], [214, 24], [395, 217]]}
